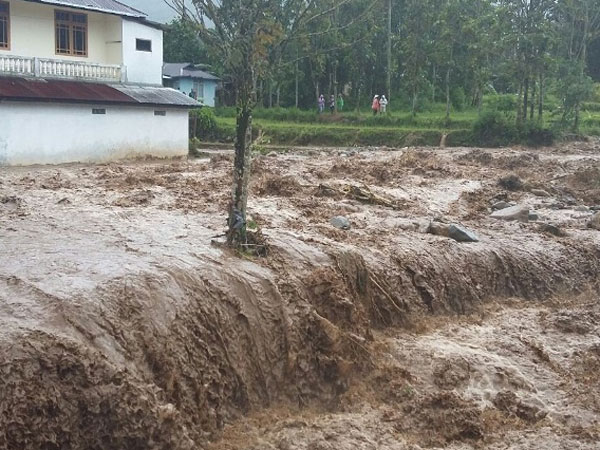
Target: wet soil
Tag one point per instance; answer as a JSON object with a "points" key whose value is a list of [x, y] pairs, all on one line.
{"points": [[123, 326]]}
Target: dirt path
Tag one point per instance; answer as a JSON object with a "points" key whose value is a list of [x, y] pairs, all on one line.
{"points": [[121, 326]]}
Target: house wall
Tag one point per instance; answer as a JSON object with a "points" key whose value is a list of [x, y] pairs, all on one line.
{"points": [[32, 34], [142, 67], [49, 133], [186, 85]]}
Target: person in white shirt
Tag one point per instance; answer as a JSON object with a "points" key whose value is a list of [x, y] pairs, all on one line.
{"points": [[383, 103]]}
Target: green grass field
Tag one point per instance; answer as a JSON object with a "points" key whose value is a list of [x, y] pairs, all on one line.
{"points": [[281, 126]]}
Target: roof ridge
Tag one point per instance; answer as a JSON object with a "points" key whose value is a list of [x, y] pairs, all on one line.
{"points": [[130, 7], [106, 6]]}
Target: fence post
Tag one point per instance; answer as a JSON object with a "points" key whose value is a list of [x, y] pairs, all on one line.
{"points": [[36, 67]]}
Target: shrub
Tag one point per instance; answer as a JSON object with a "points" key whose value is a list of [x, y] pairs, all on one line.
{"points": [[203, 124], [511, 183], [590, 107], [458, 98], [459, 138], [504, 103], [535, 135], [494, 129]]}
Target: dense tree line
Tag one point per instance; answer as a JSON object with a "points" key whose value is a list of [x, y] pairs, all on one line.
{"points": [[452, 51]]}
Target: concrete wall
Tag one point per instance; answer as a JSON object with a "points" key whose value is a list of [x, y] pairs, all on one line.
{"points": [[186, 85], [32, 34], [142, 67], [41, 133]]}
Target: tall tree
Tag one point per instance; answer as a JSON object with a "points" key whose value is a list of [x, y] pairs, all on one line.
{"points": [[244, 34], [182, 43]]}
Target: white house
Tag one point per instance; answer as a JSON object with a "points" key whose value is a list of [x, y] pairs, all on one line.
{"points": [[81, 81]]}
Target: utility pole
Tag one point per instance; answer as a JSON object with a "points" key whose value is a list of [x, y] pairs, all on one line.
{"points": [[388, 84]]}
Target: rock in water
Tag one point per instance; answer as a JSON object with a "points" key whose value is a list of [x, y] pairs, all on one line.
{"points": [[552, 229], [438, 229], [594, 222], [540, 193], [340, 222], [453, 231], [461, 234], [500, 205], [513, 213]]}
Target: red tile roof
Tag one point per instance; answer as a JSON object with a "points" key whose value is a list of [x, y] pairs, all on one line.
{"points": [[45, 90], [41, 90]]}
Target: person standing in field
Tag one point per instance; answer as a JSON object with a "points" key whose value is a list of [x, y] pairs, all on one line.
{"points": [[375, 106], [321, 103], [340, 102], [332, 103], [383, 103]]}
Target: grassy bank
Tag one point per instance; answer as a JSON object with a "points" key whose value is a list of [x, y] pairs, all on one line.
{"points": [[338, 134], [493, 128]]}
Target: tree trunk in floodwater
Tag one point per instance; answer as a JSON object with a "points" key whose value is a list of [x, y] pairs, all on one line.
{"points": [[236, 234]]}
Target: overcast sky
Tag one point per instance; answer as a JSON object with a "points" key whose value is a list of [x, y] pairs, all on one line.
{"points": [[157, 10]]}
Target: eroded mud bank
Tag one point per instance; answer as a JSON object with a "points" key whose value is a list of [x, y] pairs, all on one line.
{"points": [[122, 327]]}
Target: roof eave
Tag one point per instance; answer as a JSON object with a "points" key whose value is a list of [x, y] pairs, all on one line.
{"points": [[140, 15], [100, 102]]}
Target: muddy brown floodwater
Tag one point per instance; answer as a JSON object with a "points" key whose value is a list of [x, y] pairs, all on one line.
{"points": [[122, 326]]}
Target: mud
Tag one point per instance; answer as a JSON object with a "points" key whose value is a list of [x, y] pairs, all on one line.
{"points": [[122, 326]]}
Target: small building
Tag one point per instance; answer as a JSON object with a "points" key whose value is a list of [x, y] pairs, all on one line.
{"points": [[81, 81], [191, 81]]}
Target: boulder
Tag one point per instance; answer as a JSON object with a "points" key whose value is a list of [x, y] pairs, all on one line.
{"points": [[594, 222], [534, 216], [500, 205], [582, 208], [340, 222], [452, 231], [513, 213], [438, 229], [461, 234], [568, 199], [554, 230], [540, 193]]}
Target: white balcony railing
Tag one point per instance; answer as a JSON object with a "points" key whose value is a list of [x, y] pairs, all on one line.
{"points": [[16, 65], [61, 69]]}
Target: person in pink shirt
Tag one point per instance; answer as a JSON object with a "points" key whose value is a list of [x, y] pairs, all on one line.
{"points": [[375, 106]]}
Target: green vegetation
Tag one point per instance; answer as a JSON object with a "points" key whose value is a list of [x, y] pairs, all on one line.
{"points": [[494, 127]]}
